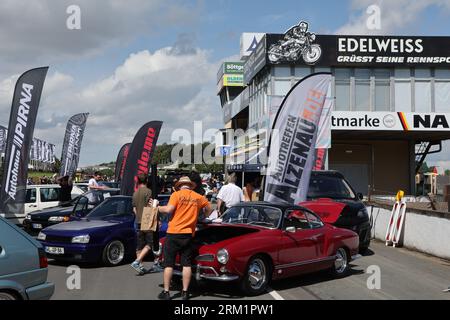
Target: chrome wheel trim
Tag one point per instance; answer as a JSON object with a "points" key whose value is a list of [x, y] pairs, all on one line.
{"points": [[341, 262], [6, 296], [115, 252], [257, 274]]}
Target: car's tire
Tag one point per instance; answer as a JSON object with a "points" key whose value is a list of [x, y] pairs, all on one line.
{"points": [[363, 250], [7, 296], [257, 276], [113, 253], [341, 265]]}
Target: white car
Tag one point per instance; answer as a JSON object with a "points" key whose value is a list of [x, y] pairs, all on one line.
{"points": [[39, 197]]}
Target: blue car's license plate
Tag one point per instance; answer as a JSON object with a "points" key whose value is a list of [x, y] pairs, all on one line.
{"points": [[54, 250], [37, 226]]}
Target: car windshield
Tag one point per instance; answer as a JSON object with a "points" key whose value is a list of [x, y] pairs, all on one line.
{"points": [[321, 186], [83, 187], [263, 216], [111, 207]]}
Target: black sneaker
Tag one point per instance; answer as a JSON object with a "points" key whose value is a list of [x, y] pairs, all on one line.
{"points": [[164, 295], [184, 295]]}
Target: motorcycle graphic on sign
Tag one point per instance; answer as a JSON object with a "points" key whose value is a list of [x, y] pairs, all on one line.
{"points": [[297, 42]]}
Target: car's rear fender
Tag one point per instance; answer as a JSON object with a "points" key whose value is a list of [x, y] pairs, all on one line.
{"points": [[14, 288]]}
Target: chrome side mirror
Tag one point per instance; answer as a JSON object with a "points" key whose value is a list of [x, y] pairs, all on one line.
{"points": [[291, 229]]}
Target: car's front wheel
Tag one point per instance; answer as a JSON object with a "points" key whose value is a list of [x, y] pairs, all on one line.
{"points": [[113, 253], [7, 296], [341, 265], [257, 276]]}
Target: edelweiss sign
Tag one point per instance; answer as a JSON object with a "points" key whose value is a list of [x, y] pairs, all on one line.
{"points": [[390, 121], [300, 46]]}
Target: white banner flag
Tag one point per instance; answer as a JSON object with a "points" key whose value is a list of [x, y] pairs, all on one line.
{"points": [[293, 140]]}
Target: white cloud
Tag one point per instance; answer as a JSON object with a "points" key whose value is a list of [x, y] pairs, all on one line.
{"points": [[177, 89], [395, 15], [35, 33]]}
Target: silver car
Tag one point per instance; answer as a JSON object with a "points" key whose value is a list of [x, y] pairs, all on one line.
{"points": [[23, 266]]}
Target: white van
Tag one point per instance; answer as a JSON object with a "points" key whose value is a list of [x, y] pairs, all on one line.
{"points": [[41, 197]]}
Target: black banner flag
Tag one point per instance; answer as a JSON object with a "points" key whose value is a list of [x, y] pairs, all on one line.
{"points": [[140, 156], [121, 161], [72, 144], [24, 108]]}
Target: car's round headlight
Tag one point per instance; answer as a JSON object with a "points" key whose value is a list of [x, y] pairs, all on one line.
{"points": [[28, 217], [41, 236], [223, 256]]}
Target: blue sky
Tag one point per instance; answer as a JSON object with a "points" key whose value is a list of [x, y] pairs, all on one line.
{"points": [[119, 66]]}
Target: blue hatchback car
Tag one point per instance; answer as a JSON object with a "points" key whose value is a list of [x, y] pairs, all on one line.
{"points": [[107, 234]]}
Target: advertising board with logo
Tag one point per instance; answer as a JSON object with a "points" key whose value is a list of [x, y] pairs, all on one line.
{"points": [[230, 68], [249, 42], [233, 80], [300, 46], [390, 121]]}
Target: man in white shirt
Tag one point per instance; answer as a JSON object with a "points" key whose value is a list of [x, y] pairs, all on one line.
{"points": [[229, 195], [93, 184]]}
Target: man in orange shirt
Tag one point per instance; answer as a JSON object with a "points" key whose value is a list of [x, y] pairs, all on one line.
{"points": [[184, 206]]}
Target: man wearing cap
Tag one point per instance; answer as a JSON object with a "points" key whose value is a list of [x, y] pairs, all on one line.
{"points": [[184, 206]]}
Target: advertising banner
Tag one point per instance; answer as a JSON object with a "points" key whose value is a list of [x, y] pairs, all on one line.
{"points": [[72, 144], [140, 156], [324, 135], [2, 139], [390, 121], [293, 140], [121, 161], [358, 51], [256, 61], [42, 151], [24, 108]]}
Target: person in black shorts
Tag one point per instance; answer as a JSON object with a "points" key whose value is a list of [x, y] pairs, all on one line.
{"points": [[146, 240]]}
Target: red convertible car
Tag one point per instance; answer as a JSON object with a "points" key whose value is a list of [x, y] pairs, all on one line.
{"points": [[259, 242]]}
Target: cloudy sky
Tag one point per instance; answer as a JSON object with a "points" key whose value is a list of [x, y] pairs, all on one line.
{"points": [[140, 60]]}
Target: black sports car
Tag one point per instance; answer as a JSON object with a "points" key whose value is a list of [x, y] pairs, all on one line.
{"points": [[354, 216]]}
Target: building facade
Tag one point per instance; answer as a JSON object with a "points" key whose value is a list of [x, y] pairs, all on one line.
{"points": [[391, 103]]}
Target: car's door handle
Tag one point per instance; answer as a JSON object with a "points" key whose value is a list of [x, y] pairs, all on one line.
{"points": [[33, 205]]}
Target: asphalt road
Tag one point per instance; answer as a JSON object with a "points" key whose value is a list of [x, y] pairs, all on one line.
{"points": [[404, 275]]}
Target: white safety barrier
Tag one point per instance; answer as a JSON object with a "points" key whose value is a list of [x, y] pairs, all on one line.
{"points": [[423, 231], [396, 223]]}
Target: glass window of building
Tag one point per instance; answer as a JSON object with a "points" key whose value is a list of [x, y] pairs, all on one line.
{"points": [[301, 72], [422, 90], [382, 90], [442, 90], [282, 87], [403, 90], [362, 89], [342, 89], [282, 71], [322, 69]]}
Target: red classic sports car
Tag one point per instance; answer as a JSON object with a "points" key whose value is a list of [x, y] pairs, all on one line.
{"points": [[259, 242]]}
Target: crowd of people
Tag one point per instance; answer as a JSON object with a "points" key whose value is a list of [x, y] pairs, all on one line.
{"points": [[187, 205]]}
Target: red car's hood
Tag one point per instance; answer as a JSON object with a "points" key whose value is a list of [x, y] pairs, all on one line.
{"points": [[327, 209], [215, 233]]}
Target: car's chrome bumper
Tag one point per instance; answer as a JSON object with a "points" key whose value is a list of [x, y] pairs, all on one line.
{"points": [[214, 276]]}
